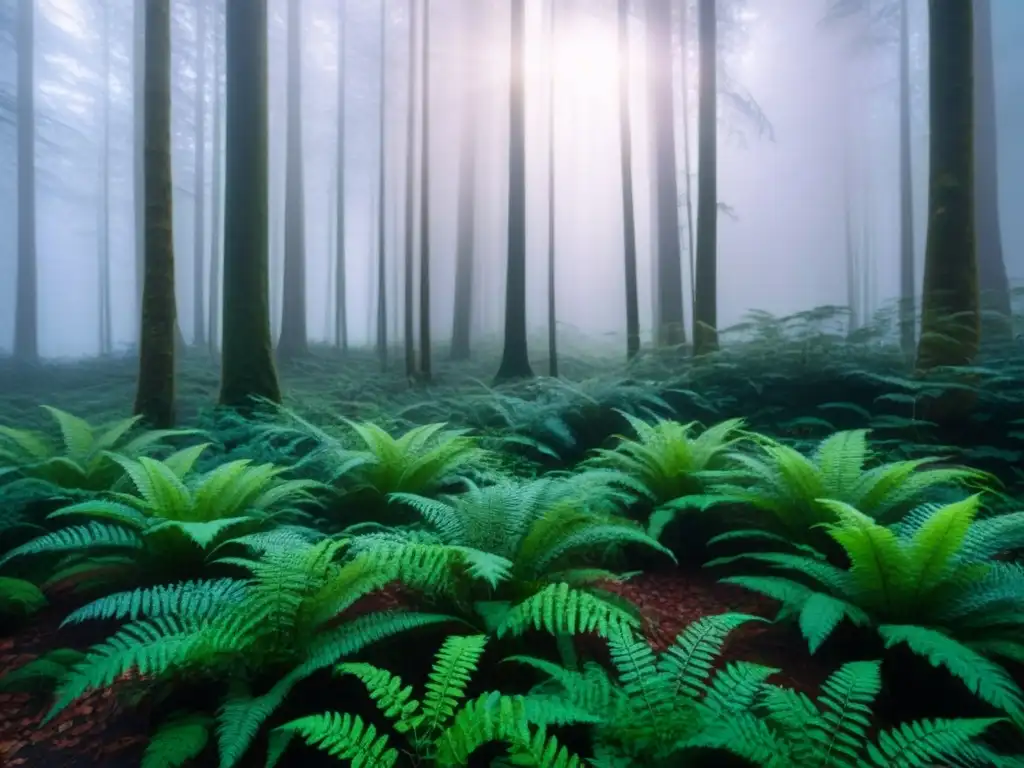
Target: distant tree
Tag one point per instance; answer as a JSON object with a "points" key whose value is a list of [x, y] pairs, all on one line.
{"points": [[340, 288], [199, 214], [515, 359], [247, 364], [106, 330], [950, 323], [410, 216], [462, 318], [293, 341], [908, 280], [628, 208], [552, 283], [217, 208], [139, 143], [382, 267], [26, 297], [154, 399], [705, 308], [992, 278], [425, 343], [669, 322]]}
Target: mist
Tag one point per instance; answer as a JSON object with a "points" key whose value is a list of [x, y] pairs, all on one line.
{"points": [[801, 103]]}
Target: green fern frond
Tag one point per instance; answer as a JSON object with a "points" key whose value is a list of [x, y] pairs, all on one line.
{"points": [[178, 739], [559, 608]]}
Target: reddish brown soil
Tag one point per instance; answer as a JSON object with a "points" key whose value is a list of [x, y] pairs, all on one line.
{"points": [[100, 730]]}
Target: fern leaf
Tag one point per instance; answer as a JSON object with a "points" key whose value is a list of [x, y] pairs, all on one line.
{"points": [[177, 740]]}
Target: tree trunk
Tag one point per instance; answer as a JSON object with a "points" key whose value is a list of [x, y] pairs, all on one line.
{"points": [[705, 309], [138, 146], [154, 399], [198, 274], [217, 189], [462, 319], [670, 329], [26, 297], [684, 89], [293, 340], [247, 367], [425, 361], [997, 325], [950, 323], [626, 163], [552, 298], [340, 289], [908, 282], [515, 359], [106, 332], [410, 218], [382, 271]]}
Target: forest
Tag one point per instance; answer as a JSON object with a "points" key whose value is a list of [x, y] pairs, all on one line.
{"points": [[553, 383]]}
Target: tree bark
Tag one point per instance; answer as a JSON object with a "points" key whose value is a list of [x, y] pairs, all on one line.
{"points": [[340, 287], [515, 359], [705, 309], [410, 217], [293, 341], [425, 343], [950, 325], [247, 367], [382, 272], [154, 399], [216, 239], [908, 281]]}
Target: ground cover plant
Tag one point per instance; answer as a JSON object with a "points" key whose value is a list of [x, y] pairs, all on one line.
{"points": [[546, 573]]}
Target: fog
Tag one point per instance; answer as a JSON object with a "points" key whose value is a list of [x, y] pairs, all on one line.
{"points": [[800, 104]]}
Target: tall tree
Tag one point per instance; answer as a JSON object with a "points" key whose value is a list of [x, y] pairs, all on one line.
{"points": [[670, 328], [425, 344], [462, 317], [340, 289], [293, 341], [154, 398], [382, 271], [198, 231], [247, 364], [552, 283], [106, 330], [992, 279], [410, 216], [138, 143], [626, 164], [26, 297], [705, 308], [684, 90], [908, 281], [216, 234], [950, 309], [515, 359]]}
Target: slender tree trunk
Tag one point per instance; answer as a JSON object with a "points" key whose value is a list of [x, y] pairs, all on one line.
{"points": [[425, 345], [340, 289], [217, 185], [515, 360], [382, 272], [552, 298], [705, 309], [691, 248], [198, 231], [626, 164], [26, 297], [154, 399], [462, 319], [293, 340], [997, 325], [247, 367], [138, 145], [410, 218], [950, 309], [908, 282], [670, 329], [103, 225]]}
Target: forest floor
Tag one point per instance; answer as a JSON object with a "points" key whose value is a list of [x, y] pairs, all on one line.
{"points": [[795, 395]]}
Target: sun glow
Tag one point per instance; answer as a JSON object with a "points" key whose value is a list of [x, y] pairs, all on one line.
{"points": [[584, 59]]}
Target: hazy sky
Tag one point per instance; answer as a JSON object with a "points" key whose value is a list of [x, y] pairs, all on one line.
{"points": [[782, 250]]}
